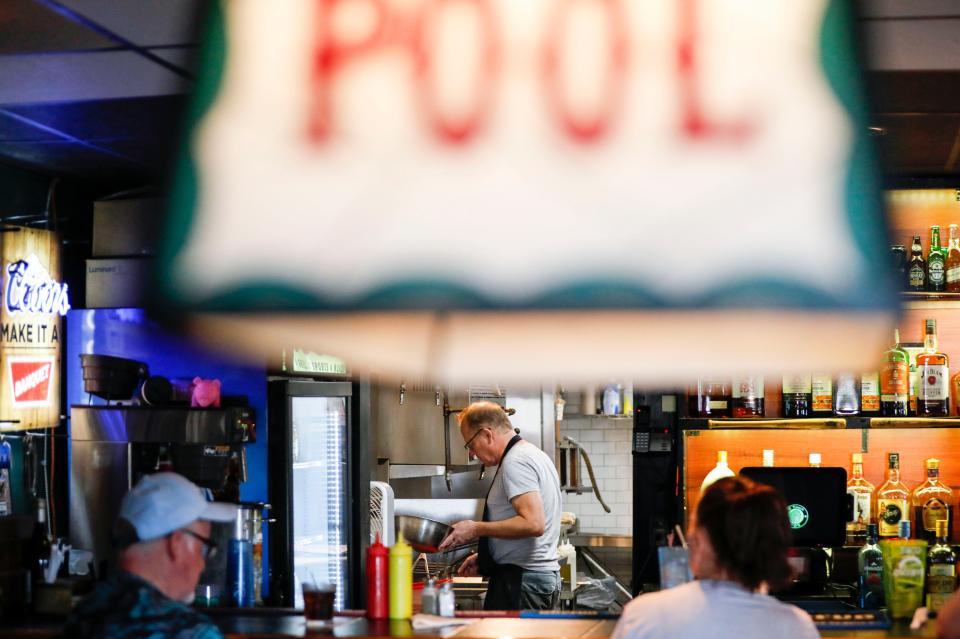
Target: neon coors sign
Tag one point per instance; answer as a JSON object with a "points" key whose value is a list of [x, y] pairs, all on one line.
{"points": [[34, 301]]}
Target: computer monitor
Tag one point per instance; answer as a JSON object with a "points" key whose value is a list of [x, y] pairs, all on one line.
{"points": [[817, 502]]}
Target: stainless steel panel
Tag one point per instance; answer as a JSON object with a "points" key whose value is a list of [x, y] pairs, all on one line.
{"points": [[412, 432], [98, 481], [160, 425]]}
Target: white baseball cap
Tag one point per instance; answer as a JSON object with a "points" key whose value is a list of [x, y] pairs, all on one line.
{"points": [[164, 502]]}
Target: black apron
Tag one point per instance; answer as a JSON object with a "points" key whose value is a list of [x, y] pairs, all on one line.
{"points": [[503, 592]]}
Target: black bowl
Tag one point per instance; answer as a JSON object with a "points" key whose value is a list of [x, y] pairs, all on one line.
{"points": [[111, 377]]}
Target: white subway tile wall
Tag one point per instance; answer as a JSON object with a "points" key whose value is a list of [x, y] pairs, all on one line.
{"points": [[607, 441]]}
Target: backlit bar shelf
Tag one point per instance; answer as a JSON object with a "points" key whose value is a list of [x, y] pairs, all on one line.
{"points": [[828, 423]]}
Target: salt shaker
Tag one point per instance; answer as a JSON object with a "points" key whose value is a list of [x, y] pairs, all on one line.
{"points": [[429, 604], [446, 600]]}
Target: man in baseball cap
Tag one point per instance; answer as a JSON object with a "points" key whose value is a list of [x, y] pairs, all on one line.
{"points": [[163, 540]]}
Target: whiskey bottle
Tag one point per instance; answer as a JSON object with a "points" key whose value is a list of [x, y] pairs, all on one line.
{"points": [[748, 396], [941, 569], [821, 386], [932, 501], [718, 472], [712, 398], [917, 272], [936, 271], [933, 399], [870, 566], [862, 493], [895, 380], [953, 261], [893, 500], [870, 394], [846, 394], [796, 396]]}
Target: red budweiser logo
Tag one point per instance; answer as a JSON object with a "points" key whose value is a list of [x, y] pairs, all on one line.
{"points": [[30, 379]]}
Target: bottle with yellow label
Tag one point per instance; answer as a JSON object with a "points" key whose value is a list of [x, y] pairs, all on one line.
{"points": [[893, 500], [401, 580], [932, 501], [821, 385]]}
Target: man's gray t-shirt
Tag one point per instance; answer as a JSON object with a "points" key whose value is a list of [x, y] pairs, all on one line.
{"points": [[526, 469]]}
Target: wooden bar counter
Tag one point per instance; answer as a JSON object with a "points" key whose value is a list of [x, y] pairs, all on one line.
{"points": [[277, 625]]}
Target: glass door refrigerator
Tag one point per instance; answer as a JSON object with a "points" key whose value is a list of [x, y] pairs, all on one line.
{"points": [[319, 486]]}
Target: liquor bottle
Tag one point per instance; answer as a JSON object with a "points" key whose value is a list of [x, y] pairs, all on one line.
{"points": [[936, 271], [40, 542], [898, 255], [895, 380], [913, 349], [815, 460], [712, 398], [941, 569], [846, 394], [933, 400], [796, 395], [870, 568], [893, 498], [917, 272], [870, 394], [748, 396], [953, 260], [767, 458], [932, 501], [821, 399], [862, 493], [718, 472]]}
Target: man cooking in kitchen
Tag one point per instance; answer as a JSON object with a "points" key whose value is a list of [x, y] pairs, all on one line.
{"points": [[518, 535]]}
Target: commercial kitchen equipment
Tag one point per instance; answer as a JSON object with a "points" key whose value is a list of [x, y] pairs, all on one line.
{"points": [[319, 487], [111, 447]]}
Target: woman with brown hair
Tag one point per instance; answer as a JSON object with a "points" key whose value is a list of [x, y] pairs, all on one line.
{"points": [[738, 552]]}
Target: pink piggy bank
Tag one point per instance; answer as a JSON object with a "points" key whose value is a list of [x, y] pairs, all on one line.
{"points": [[206, 393]]}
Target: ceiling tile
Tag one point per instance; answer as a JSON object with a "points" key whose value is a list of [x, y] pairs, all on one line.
{"points": [[145, 23], [915, 92], [27, 26], [83, 76]]}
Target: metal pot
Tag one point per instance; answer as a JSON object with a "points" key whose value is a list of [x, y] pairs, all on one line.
{"points": [[423, 535]]}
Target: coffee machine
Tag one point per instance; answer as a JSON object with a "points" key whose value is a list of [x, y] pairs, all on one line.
{"points": [[111, 447]]}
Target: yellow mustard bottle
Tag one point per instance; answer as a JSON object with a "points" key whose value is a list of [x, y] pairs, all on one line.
{"points": [[401, 580]]}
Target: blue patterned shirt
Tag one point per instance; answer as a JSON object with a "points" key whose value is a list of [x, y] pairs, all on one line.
{"points": [[125, 606]]}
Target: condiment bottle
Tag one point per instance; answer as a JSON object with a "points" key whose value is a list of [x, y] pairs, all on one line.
{"points": [[401, 580], [378, 586], [447, 601], [430, 604]]}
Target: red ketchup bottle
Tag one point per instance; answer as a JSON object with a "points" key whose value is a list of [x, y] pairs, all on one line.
{"points": [[378, 583]]}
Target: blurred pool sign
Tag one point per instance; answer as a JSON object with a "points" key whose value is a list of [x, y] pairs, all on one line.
{"points": [[457, 187]]}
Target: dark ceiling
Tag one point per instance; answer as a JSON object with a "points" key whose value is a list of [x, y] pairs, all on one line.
{"points": [[94, 88]]}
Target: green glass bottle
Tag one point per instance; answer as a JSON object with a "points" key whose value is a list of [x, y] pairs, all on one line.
{"points": [[870, 565], [895, 380], [936, 263], [941, 569]]}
